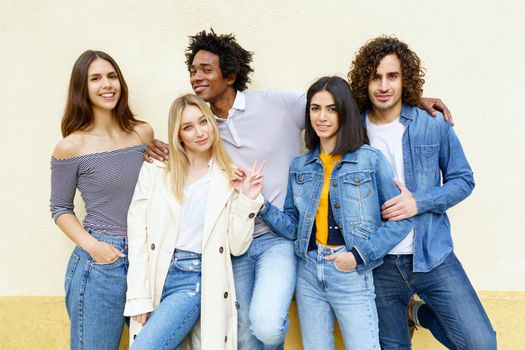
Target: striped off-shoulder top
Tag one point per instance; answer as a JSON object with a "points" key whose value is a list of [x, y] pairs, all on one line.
{"points": [[106, 182]]}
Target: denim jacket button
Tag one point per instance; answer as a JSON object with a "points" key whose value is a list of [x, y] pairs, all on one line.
{"points": [[337, 206], [334, 183], [357, 179], [301, 178]]}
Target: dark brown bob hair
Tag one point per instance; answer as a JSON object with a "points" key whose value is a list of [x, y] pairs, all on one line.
{"points": [[351, 134]]}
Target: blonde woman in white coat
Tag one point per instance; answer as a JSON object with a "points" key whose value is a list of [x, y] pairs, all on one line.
{"points": [[184, 221]]}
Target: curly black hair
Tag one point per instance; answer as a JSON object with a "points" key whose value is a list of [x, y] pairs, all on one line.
{"points": [[233, 59], [368, 58]]}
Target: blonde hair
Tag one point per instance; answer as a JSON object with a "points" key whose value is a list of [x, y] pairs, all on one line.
{"points": [[177, 164]]}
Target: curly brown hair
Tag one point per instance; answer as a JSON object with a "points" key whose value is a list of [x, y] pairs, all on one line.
{"points": [[368, 58]]}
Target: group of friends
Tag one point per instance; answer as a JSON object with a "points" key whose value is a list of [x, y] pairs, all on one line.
{"points": [[204, 244]]}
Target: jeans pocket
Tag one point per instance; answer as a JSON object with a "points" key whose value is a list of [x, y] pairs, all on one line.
{"points": [[70, 271], [342, 270], [119, 261]]}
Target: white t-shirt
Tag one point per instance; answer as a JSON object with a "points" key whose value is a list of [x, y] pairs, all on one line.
{"points": [[388, 138], [191, 228]]}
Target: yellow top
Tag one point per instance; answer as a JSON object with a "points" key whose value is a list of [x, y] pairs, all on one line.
{"points": [[321, 217]]}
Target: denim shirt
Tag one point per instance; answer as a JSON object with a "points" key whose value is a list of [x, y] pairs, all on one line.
{"points": [[439, 176], [359, 185]]}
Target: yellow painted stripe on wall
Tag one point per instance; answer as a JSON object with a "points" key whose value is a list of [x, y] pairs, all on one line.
{"points": [[42, 323]]}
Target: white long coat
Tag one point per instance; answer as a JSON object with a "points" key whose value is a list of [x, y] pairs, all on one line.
{"points": [[153, 223]]}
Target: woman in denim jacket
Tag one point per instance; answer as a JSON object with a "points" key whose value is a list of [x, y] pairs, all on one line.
{"points": [[332, 211]]}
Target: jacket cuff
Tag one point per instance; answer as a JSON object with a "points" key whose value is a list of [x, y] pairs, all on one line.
{"points": [[138, 306], [249, 204], [423, 201], [358, 259]]}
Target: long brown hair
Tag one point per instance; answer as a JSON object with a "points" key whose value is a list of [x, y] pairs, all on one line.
{"points": [[78, 114], [178, 162]]}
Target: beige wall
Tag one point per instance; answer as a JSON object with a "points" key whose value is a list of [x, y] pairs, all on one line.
{"points": [[473, 51]]}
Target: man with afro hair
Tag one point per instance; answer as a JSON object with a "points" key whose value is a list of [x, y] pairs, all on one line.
{"points": [[254, 125]]}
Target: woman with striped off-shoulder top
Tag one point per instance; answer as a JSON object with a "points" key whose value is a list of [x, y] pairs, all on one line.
{"points": [[100, 155]]}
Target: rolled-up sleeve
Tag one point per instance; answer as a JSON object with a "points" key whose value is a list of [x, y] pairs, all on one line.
{"points": [[64, 175]]}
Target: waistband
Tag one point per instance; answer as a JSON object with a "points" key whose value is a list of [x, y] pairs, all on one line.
{"points": [[105, 237], [322, 249], [184, 254]]}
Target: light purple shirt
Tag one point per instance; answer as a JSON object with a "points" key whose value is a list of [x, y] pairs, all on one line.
{"points": [[265, 125]]}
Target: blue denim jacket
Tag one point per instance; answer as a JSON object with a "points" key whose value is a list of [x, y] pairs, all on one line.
{"points": [[359, 184], [439, 176]]}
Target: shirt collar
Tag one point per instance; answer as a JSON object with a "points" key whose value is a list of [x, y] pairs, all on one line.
{"points": [[238, 104], [240, 101], [408, 112], [314, 156]]}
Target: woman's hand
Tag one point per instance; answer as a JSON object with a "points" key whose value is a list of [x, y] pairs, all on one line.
{"points": [[249, 183], [104, 253], [344, 261], [156, 150], [142, 318]]}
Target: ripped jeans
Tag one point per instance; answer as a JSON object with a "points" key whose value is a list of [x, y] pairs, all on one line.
{"points": [[179, 308]]}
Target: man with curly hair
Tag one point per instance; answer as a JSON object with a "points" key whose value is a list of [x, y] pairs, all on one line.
{"points": [[433, 175]]}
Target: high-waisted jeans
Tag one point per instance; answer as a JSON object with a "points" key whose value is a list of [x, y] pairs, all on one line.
{"points": [[95, 297]]}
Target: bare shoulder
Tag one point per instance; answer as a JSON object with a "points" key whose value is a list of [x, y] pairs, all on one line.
{"points": [[144, 131], [70, 146]]}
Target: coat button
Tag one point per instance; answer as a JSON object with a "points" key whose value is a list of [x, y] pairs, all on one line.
{"points": [[225, 338], [221, 250], [152, 246], [334, 183], [251, 216], [225, 295], [337, 206]]}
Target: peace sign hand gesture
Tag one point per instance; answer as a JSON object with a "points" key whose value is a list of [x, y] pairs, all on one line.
{"points": [[249, 183]]}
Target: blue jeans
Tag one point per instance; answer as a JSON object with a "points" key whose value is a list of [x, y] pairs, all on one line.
{"points": [[95, 297], [179, 307], [264, 284], [455, 314], [323, 291]]}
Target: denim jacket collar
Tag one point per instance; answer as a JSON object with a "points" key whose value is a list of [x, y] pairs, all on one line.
{"points": [[312, 156], [408, 114]]}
